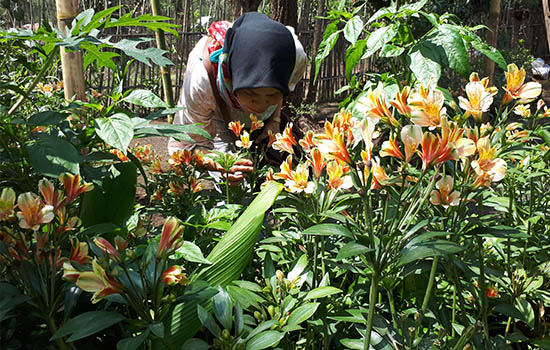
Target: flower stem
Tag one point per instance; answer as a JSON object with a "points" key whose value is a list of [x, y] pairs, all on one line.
{"points": [[53, 329], [427, 296], [372, 304], [483, 287]]}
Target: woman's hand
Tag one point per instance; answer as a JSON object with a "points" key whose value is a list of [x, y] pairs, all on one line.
{"points": [[236, 174]]}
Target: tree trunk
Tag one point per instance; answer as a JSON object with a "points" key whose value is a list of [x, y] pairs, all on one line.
{"points": [[494, 18], [71, 62], [284, 11], [317, 37], [241, 6], [546, 8]]}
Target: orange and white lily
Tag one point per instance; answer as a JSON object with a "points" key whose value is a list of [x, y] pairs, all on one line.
{"points": [[411, 135], [7, 203], [318, 162], [174, 275], [50, 195], [307, 143], [33, 212], [390, 148], [79, 252], [400, 101], [373, 104], [336, 178], [255, 124], [181, 157], [334, 146], [73, 188], [299, 180], [98, 282], [285, 141], [170, 237], [444, 195], [478, 102], [244, 142], [427, 107], [236, 127], [516, 89], [487, 167], [286, 169], [108, 248], [523, 110]]}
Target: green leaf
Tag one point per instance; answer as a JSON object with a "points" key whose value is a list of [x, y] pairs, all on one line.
{"points": [[423, 60], [94, 53], [208, 321], [99, 18], [389, 50], [352, 249], [328, 230], [157, 329], [148, 21], [223, 308], [191, 252], [322, 292], [264, 340], [353, 55], [298, 268], [510, 311], [145, 98], [178, 132], [196, 344], [353, 29], [52, 156], [379, 38], [155, 55], [490, 52], [449, 38], [427, 249], [47, 118], [324, 49], [302, 313], [117, 131], [132, 343], [87, 324]]}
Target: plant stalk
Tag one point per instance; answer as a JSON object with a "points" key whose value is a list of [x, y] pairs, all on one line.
{"points": [[372, 304], [483, 288]]}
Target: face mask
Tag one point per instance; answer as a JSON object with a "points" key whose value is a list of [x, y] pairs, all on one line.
{"points": [[267, 113]]}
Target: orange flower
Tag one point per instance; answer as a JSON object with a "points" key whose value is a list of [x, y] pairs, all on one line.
{"points": [[171, 232], [7, 203], [411, 135], [427, 107], [99, 282], [317, 162], [285, 141], [478, 102], [334, 147], [487, 167], [373, 104], [268, 177], [255, 123], [336, 178], [516, 89], [50, 195], [108, 248], [307, 142], [485, 82], [430, 146], [272, 138], [236, 127], [244, 142], [180, 157], [174, 275], [143, 153], [73, 188], [286, 169], [195, 185], [523, 110], [176, 188], [298, 181], [390, 148], [156, 166], [79, 252], [121, 156], [444, 195], [492, 292], [379, 175], [33, 212], [69, 272], [400, 102]]}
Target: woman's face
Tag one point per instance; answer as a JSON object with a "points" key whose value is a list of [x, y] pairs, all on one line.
{"points": [[259, 99]]}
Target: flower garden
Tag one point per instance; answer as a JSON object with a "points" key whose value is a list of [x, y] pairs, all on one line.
{"points": [[417, 218]]}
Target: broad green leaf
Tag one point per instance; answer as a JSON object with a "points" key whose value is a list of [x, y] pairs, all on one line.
{"points": [[427, 249], [145, 98], [99, 18], [265, 325], [47, 118], [423, 60], [322, 292], [191, 252], [379, 38], [208, 321], [157, 329], [132, 343], [526, 310], [383, 12], [178, 132], [490, 52], [416, 6], [52, 156], [155, 55], [352, 249], [264, 340], [389, 50], [511, 311], [195, 344], [328, 230], [302, 313], [94, 53], [449, 38], [229, 258], [147, 21], [353, 55], [223, 308], [239, 319], [298, 268], [324, 49], [353, 29], [87, 324], [116, 131]]}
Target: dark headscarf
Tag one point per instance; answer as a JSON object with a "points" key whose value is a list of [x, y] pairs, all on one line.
{"points": [[261, 53]]}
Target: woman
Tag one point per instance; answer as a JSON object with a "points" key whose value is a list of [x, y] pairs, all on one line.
{"points": [[240, 69]]}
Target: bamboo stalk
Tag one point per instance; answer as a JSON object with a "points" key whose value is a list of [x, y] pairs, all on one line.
{"points": [[546, 8], [71, 62], [494, 18]]}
